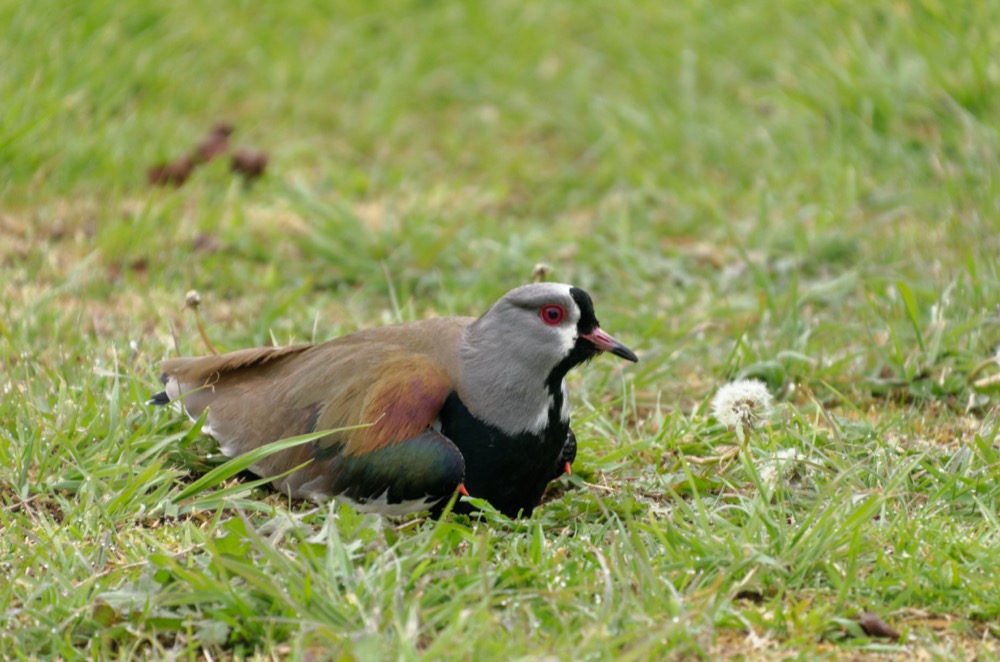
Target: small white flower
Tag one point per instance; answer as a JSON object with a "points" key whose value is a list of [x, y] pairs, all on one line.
{"points": [[742, 404]]}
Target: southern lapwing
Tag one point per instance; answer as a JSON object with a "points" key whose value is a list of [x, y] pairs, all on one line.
{"points": [[454, 403]]}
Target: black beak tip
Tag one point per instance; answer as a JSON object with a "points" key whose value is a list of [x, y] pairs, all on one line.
{"points": [[625, 353]]}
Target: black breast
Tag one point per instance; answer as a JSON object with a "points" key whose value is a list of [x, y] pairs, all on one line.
{"points": [[510, 472]]}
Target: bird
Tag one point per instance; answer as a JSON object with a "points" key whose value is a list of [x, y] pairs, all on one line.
{"points": [[452, 406]]}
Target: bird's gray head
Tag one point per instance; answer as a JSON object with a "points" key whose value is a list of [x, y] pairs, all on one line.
{"points": [[515, 356]]}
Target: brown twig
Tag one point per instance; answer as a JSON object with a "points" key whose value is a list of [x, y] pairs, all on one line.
{"points": [[192, 300]]}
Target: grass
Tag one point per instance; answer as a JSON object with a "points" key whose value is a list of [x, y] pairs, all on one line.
{"points": [[805, 193]]}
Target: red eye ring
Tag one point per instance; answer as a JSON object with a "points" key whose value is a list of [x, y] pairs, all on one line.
{"points": [[552, 314]]}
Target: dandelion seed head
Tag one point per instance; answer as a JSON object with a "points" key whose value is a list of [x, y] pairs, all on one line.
{"points": [[744, 404], [192, 299]]}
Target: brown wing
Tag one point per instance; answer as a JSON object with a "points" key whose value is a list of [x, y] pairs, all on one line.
{"points": [[199, 379], [399, 395], [261, 395]]}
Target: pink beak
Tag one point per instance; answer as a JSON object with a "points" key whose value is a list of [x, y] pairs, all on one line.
{"points": [[606, 343]]}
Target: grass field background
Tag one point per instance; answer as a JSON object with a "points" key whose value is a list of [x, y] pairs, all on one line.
{"points": [[806, 193]]}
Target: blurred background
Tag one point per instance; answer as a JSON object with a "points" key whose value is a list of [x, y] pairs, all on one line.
{"points": [[699, 165]]}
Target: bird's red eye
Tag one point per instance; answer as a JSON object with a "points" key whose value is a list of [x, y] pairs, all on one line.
{"points": [[552, 314]]}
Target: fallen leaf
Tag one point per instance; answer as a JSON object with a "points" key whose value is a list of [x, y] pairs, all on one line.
{"points": [[874, 626], [250, 163]]}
